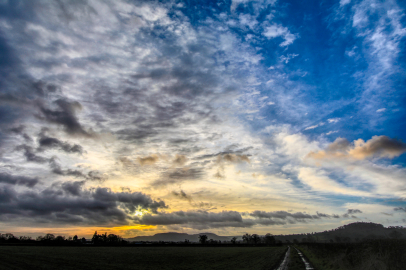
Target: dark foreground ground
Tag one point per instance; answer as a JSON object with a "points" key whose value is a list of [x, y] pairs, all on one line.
{"points": [[368, 255], [37, 257]]}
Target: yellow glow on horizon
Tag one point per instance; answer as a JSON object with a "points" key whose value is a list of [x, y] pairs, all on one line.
{"points": [[133, 227]]}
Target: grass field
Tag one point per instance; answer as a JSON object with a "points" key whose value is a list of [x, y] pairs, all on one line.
{"points": [[36, 257], [370, 255], [295, 262]]}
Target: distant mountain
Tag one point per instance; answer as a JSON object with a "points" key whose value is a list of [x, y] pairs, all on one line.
{"points": [[180, 237]]}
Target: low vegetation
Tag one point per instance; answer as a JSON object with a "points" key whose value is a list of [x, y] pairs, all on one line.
{"points": [[382, 254], [295, 262], [93, 257]]}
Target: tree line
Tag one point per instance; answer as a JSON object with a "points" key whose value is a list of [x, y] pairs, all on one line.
{"points": [[49, 238]]}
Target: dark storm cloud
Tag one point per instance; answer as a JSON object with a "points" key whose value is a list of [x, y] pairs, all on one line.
{"points": [[204, 219], [57, 169], [229, 155], [20, 131], [191, 217], [179, 175], [66, 117], [46, 142], [73, 188], [73, 204], [283, 215], [18, 180], [353, 211], [91, 175], [30, 154], [136, 134]]}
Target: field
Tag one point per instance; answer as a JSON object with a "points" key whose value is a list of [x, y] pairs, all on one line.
{"points": [[370, 255], [295, 262], [37, 257]]}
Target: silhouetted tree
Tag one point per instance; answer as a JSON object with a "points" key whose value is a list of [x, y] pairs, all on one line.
{"points": [[95, 238], [49, 237], [202, 238], [60, 238], [234, 240], [112, 238], [25, 238], [246, 238], [255, 238], [75, 238], [269, 239]]}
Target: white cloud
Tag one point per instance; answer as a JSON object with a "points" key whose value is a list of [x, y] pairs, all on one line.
{"points": [[344, 2], [381, 110], [287, 58], [276, 30], [311, 127], [333, 120], [318, 180]]}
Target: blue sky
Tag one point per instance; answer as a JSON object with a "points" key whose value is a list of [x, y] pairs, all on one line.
{"points": [[238, 116]]}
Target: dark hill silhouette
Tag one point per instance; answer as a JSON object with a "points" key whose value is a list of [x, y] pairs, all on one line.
{"points": [[353, 232], [180, 237]]}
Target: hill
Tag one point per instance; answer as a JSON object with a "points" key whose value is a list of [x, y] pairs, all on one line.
{"points": [[180, 237], [353, 232]]}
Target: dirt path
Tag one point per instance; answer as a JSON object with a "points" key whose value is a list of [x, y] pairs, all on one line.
{"points": [[285, 262]]}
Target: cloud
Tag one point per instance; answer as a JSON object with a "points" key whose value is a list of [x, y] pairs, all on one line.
{"points": [[319, 180], [30, 154], [276, 30], [333, 120], [353, 211], [377, 146], [179, 160], [204, 219], [182, 195], [56, 169], [179, 175], [148, 160], [49, 142], [232, 158], [400, 209], [91, 175], [66, 117], [71, 204], [18, 180], [197, 218], [311, 127], [344, 2], [283, 215]]}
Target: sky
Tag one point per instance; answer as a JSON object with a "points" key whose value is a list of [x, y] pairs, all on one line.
{"points": [[230, 117]]}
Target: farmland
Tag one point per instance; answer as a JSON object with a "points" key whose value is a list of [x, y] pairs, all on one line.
{"points": [[370, 255], [40, 257]]}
